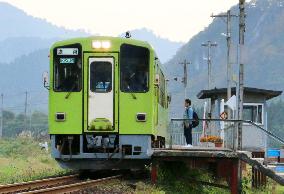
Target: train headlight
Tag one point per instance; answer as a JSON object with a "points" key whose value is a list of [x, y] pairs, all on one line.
{"points": [[97, 44], [101, 44], [105, 44]]}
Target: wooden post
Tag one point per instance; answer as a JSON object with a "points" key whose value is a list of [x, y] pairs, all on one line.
{"points": [[234, 183], [258, 178], [154, 172]]}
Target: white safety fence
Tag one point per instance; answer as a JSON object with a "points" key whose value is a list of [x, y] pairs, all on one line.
{"points": [[179, 139]]}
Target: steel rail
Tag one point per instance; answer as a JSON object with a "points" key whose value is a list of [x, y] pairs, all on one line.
{"points": [[72, 187], [24, 186]]}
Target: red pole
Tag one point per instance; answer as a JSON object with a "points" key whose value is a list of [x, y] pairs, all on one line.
{"points": [[154, 173], [234, 177]]}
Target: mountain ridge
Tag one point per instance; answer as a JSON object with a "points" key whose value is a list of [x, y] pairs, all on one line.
{"points": [[263, 53], [17, 23]]}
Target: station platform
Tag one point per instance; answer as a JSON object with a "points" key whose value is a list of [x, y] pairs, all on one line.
{"points": [[224, 163], [195, 151]]}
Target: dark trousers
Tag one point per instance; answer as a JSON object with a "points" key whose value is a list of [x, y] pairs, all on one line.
{"points": [[188, 134]]}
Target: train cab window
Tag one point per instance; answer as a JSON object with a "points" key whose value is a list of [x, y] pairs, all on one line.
{"points": [[101, 77], [134, 68], [67, 69]]}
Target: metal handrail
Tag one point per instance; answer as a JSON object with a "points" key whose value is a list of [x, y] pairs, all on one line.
{"points": [[237, 121]]}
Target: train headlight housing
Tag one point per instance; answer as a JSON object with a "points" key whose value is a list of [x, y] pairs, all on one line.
{"points": [[97, 44], [60, 116], [141, 117], [106, 44], [101, 44]]}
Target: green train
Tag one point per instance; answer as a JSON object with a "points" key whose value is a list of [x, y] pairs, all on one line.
{"points": [[108, 103]]}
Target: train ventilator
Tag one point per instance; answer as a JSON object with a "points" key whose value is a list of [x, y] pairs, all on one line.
{"points": [[108, 103]]}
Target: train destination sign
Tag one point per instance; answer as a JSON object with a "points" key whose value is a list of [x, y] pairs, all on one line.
{"points": [[67, 60], [67, 51]]}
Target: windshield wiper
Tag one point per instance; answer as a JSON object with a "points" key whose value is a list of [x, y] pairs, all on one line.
{"points": [[71, 90], [133, 96], [128, 87]]}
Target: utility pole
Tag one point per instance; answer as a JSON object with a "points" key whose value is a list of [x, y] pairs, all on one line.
{"points": [[228, 17], [242, 27], [241, 69], [30, 124], [1, 124], [185, 79], [209, 45], [26, 106]]}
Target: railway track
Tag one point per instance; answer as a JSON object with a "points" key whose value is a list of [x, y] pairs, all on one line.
{"points": [[72, 187], [37, 184], [64, 184]]}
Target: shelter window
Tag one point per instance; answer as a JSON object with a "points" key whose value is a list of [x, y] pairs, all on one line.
{"points": [[67, 68], [101, 76], [253, 112], [134, 68]]}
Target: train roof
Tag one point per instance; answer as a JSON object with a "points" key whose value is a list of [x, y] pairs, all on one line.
{"points": [[115, 42]]}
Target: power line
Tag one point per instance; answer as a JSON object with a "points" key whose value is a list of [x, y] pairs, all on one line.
{"points": [[17, 94], [29, 104]]}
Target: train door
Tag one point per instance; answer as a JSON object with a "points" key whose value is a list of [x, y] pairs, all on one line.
{"points": [[101, 94], [101, 90]]}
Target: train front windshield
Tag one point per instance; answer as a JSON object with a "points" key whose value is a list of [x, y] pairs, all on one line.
{"points": [[134, 68], [67, 69]]}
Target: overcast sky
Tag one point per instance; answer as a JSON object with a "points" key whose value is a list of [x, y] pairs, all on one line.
{"points": [[176, 20]]}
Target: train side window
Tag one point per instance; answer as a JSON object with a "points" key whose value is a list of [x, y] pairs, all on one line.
{"points": [[134, 68], [101, 77]]}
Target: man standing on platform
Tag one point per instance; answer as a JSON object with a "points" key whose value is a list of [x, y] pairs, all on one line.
{"points": [[188, 114]]}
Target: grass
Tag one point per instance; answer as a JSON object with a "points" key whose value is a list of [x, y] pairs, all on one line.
{"points": [[280, 189], [21, 159], [175, 177], [125, 186], [271, 186]]}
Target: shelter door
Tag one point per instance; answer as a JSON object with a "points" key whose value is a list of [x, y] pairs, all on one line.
{"points": [[101, 87]]}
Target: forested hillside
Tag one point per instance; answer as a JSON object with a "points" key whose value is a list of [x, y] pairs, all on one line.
{"points": [[264, 40], [276, 119]]}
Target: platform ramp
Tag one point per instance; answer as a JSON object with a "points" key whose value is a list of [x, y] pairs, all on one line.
{"points": [[259, 164]]}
